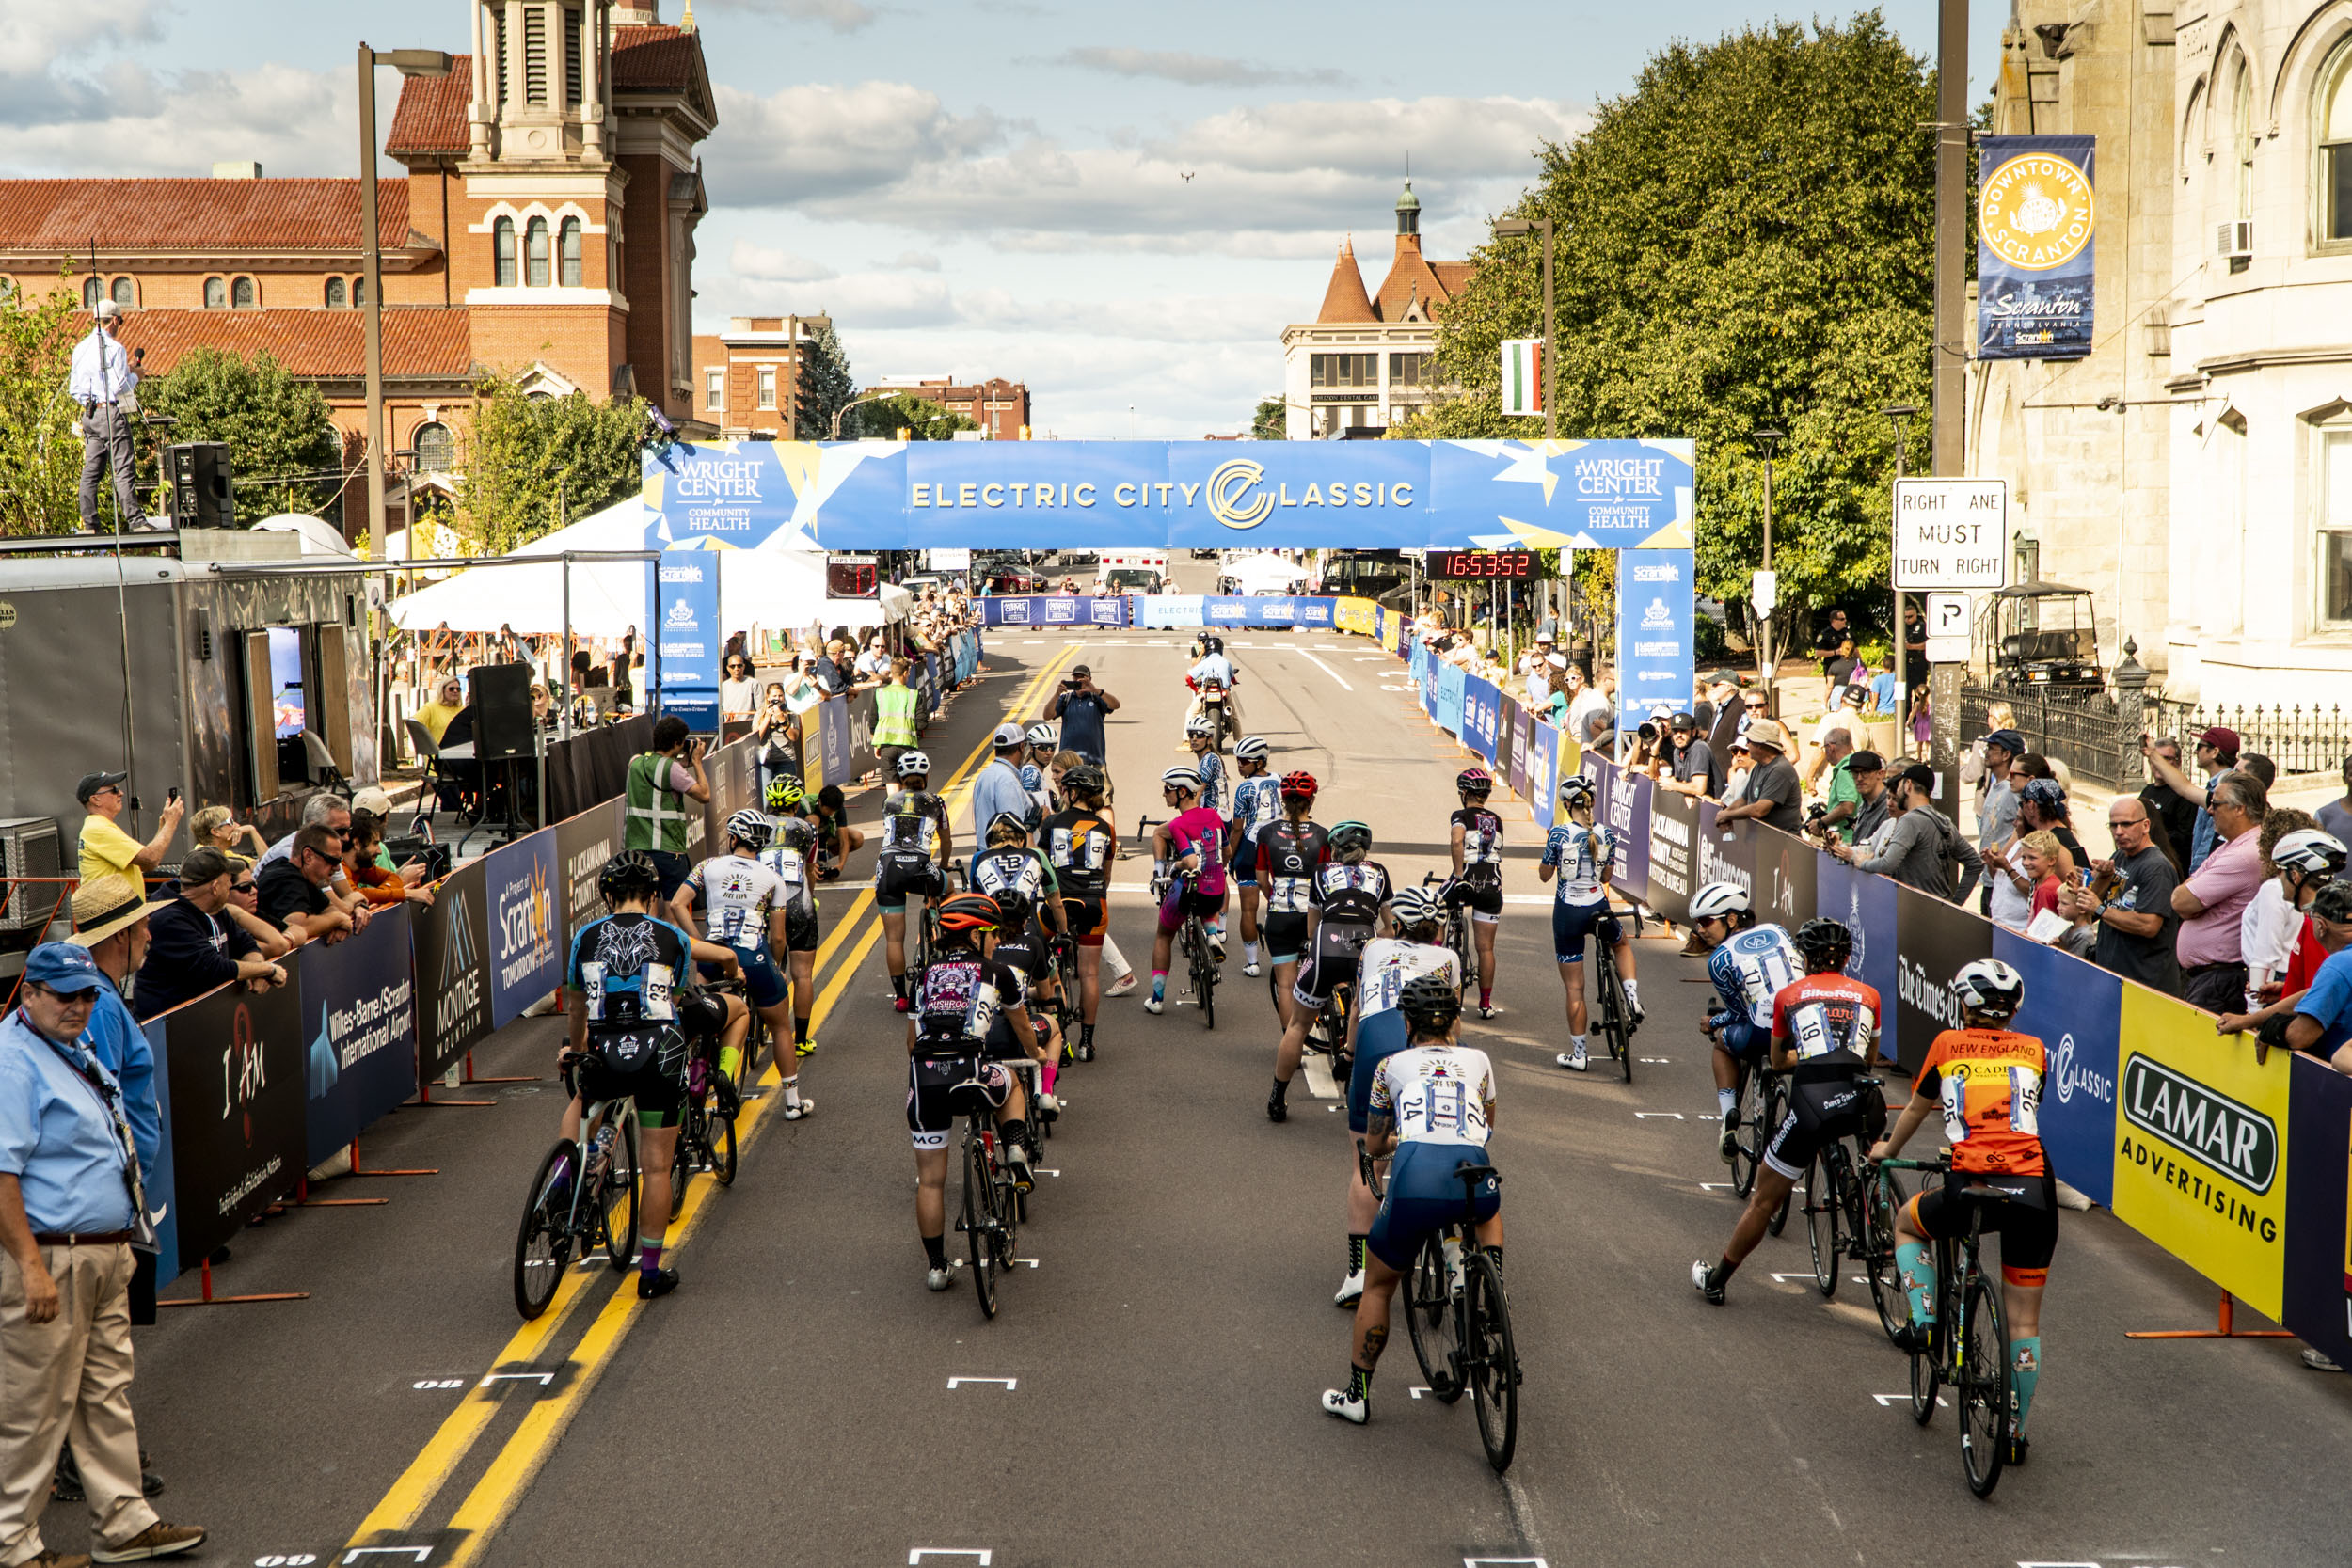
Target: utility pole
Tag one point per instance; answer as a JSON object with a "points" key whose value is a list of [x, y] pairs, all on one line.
{"points": [[1951, 236]]}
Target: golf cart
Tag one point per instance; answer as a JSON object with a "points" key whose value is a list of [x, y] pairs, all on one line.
{"points": [[2039, 634]]}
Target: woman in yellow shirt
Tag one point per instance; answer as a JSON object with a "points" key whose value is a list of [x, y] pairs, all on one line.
{"points": [[448, 700]]}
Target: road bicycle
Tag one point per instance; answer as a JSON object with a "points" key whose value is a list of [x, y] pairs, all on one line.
{"points": [[705, 1135], [1615, 1009], [1967, 1347], [1457, 931], [988, 1222], [1849, 1213], [1192, 944], [1328, 1031], [585, 1195], [1461, 1320], [1761, 1100]]}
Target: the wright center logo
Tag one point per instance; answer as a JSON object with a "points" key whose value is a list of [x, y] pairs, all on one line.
{"points": [[2221, 1136], [2036, 211]]}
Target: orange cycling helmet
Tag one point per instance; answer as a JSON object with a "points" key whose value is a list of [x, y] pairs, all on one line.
{"points": [[970, 912], [1301, 782]]}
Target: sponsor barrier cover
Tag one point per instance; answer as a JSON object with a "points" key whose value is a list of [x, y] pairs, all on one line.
{"points": [[360, 1023]]}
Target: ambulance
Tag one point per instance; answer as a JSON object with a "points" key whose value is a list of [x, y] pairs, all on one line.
{"points": [[1132, 571]]}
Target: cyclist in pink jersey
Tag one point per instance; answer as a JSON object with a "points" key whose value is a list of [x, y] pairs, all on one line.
{"points": [[1193, 841]]}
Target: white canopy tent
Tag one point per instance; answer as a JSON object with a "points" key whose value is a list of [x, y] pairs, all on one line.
{"points": [[318, 536], [1264, 573]]}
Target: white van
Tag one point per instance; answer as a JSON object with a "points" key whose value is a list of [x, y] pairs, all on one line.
{"points": [[1132, 571]]}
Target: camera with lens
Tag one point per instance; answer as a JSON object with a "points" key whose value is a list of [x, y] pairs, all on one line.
{"points": [[1649, 732]]}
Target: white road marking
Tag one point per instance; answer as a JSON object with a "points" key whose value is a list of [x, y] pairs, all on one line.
{"points": [[1886, 1400], [1645, 1116], [1655, 1061], [1504, 1562], [1010, 1383], [1714, 1186], [1784, 1278], [420, 1553], [1319, 1079], [983, 1556], [1418, 1392], [431, 1383], [1327, 670], [544, 1379]]}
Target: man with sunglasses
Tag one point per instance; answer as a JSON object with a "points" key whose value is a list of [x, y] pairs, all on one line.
{"points": [[196, 943], [106, 850], [293, 892], [2131, 897], [326, 810]]}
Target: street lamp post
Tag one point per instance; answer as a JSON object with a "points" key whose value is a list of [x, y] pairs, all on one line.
{"points": [[1900, 415], [1768, 661], [408, 62], [1511, 228], [870, 397]]}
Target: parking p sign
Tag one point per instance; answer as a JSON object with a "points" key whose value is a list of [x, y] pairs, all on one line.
{"points": [[1952, 533]]}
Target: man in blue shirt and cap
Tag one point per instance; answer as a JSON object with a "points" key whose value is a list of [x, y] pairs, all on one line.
{"points": [[71, 1204]]}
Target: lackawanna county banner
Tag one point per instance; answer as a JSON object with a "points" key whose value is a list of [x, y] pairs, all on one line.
{"points": [[2036, 214]]}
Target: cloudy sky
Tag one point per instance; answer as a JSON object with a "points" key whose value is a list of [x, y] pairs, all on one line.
{"points": [[995, 187]]}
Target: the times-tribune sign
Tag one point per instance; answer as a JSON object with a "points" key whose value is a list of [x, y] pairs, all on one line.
{"points": [[1952, 533]]}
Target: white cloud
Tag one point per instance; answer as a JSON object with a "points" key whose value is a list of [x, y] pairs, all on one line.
{"points": [[768, 265], [910, 260], [842, 16], [45, 33], [293, 122], [812, 143], [1198, 70]]}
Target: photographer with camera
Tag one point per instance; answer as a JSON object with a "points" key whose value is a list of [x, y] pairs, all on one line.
{"points": [[1082, 706]]}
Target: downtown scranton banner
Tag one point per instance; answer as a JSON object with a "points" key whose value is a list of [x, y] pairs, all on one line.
{"points": [[1654, 610], [2036, 216], [1368, 495]]}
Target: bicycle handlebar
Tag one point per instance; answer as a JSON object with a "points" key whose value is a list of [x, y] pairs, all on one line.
{"points": [[1940, 1163]]}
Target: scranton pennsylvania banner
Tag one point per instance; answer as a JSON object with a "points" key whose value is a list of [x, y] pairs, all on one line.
{"points": [[2035, 218], [1654, 613], [1369, 494], [687, 603], [526, 938]]}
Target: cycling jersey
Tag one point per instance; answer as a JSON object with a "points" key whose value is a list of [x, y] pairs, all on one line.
{"points": [[1749, 971], [1989, 1081], [1829, 1022], [1482, 843], [1289, 854], [1436, 1094], [1212, 768], [792, 858], [1201, 828], [958, 997], [630, 967], [1023, 871], [1079, 846], [1257, 804], [737, 893], [1388, 963], [1349, 894], [1583, 854], [913, 824]]}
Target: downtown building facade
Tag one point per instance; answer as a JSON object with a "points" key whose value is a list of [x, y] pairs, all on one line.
{"points": [[1369, 360], [2195, 469]]}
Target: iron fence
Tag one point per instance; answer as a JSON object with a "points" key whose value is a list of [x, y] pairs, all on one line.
{"points": [[2096, 734], [2297, 739]]}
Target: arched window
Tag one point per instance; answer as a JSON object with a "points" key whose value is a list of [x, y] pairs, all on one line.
{"points": [[503, 238], [535, 253], [125, 292], [436, 448], [2242, 140], [2334, 141], [92, 291], [335, 293], [359, 291], [216, 293], [243, 295], [569, 235]]}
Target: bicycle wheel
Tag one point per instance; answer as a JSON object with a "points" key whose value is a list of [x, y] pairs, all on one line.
{"points": [[1982, 1385], [544, 1244], [1429, 1317], [1342, 1058], [747, 1060], [1822, 1180], [1457, 936], [980, 1222], [1492, 1360], [1614, 1016], [1203, 976], [1747, 1145], [1927, 1366], [1881, 1198], [1776, 1108], [719, 1130], [618, 1192]]}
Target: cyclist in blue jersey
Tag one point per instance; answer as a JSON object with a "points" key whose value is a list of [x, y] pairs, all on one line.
{"points": [[1750, 965], [1580, 855], [1201, 739], [1257, 801]]}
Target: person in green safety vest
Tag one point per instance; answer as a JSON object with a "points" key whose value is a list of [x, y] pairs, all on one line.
{"points": [[895, 706], [654, 814]]}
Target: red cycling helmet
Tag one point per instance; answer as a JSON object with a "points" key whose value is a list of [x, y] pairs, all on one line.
{"points": [[1301, 782], [1473, 781], [969, 911]]}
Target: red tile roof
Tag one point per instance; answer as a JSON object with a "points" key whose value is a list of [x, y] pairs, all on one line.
{"points": [[420, 342], [1344, 299], [655, 58], [435, 113], [134, 216]]}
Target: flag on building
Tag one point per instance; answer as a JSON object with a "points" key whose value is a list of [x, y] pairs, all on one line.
{"points": [[1523, 375]]}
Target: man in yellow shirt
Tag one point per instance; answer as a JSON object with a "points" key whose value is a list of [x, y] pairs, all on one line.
{"points": [[106, 850]]}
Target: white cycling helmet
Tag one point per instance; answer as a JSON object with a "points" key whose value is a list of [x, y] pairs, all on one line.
{"points": [[1576, 790], [1199, 727], [1989, 986], [751, 828], [1414, 905], [1042, 734], [1254, 746], [1719, 901], [913, 762], [1180, 777], [2310, 851]]}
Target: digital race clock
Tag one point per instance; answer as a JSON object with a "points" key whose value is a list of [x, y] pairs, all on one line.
{"points": [[1470, 564]]}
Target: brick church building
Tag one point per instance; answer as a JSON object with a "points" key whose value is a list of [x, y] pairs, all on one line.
{"points": [[543, 226]]}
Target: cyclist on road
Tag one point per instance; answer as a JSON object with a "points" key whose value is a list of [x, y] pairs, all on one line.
{"points": [[1290, 852], [1345, 896], [1749, 964], [1213, 669], [1987, 1080], [1824, 1028], [1432, 1103], [1080, 841], [746, 898], [1580, 855], [1477, 845], [634, 1004], [956, 1002], [1021, 946], [1044, 743], [1192, 839], [1201, 739], [917, 846], [795, 856], [1257, 802]]}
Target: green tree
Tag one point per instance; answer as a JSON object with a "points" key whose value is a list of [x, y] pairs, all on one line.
{"points": [[1745, 241], [1271, 422], [40, 458], [922, 420], [825, 385], [281, 440], [532, 462]]}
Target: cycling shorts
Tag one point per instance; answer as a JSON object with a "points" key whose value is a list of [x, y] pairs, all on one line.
{"points": [[1425, 1196], [2028, 1222], [802, 931], [1285, 936], [1087, 915], [1243, 867], [1182, 900], [1571, 921], [656, 1083], [1482, 894], [896, 878], [673, 870], [1378, 1037], [763, 982], [941, 1089], [1819, 1114], [1338, 955], [1744, 1040]]}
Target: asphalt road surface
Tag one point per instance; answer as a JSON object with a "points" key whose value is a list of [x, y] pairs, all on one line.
{"points": [[1148, 1394]]}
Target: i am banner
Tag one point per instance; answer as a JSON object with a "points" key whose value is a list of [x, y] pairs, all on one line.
{"points": [[2036, 218]]}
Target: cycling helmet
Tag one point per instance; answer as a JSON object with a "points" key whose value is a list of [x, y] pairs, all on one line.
{"points": [[1182, 777], [1300, 784], [2309, 850], [1719, 901], [1004, 828], [1084, 781], [1350, 841], [1042, 734], [1576, 790], [628, 875], [1988, 986], [968, 914], [1199, 726], [784, 792], [913, 765], [1824, 945], [1253, 748], [751, 828], [1212, 643], [1414, 908], [1012, 907], [1429, 1003], [2334, 903], [1473, 781]]}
